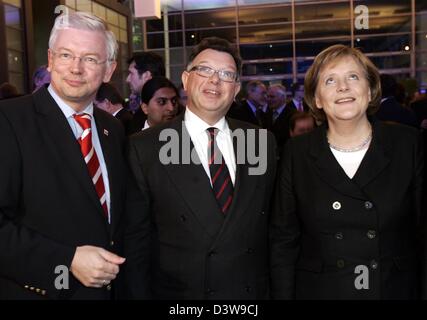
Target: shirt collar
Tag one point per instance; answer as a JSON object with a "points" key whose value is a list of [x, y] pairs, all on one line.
{"points": [[280, 109], [195, 125], [65, 108], [254, 108]]}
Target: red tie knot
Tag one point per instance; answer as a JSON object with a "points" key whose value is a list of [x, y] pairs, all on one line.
{"points": [[83, 120]]}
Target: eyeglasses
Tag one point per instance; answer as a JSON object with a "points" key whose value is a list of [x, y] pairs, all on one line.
{"points": [[207, 72], [67, 58]]}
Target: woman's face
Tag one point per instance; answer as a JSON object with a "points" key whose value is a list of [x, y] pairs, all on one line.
{"points": [[343, 91]]}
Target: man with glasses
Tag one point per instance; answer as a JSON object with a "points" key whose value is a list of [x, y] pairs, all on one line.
{"points": [[209, 214], [63, 174]]}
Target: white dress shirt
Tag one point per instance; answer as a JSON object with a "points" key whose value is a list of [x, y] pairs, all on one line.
{"points": [[349, 161], [196, 127], [77, 131]]}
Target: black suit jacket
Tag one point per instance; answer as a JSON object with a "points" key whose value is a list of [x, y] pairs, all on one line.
{"points": [[125, 118], [280, 127], [197, 252], [327, 224], [391, 110], [48, 203], [243, 112]]}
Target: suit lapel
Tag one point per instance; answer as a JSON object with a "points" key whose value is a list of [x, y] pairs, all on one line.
{"points": [[57, 129], [328, 168], [376, 158], [110, 162], [193, 184]]}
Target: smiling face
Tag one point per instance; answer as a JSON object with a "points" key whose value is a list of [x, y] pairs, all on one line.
{"points": [[210, 98], [343, 91], [75, 82]]}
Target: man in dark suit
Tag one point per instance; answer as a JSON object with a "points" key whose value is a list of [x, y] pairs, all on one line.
{"points": [[390, 109], [109, 99], [254, 109], [209, 209], [63, 174], [280, 114], [297, 102]]}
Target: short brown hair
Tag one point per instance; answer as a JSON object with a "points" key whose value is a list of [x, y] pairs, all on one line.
{"points": [[334, 53], [217, 44]]}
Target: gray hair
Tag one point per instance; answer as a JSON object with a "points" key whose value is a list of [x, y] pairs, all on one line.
{"points": [[85, 21]]}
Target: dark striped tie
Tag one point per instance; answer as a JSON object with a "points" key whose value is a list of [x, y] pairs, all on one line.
{"points": [[222, 185]]}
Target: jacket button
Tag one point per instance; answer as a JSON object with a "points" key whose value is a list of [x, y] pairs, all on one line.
{"points": [[212, 253], [250, 250], [339, 236], [336, 205], [374, 264], [108, 287], [248, 289], [340, 263], [183, 218], [368, 205], [263, 212], [111, 243], [371, 234]]}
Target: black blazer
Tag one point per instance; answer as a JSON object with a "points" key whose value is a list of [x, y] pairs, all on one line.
{"points": [[280, 127], [327, 224], [125, 118], [48, 203], [197, 252], [243, 112]]}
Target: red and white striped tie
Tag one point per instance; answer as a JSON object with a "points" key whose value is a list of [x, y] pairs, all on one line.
{"points": [[91, 159]]}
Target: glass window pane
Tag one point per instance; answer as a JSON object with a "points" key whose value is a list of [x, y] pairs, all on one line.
{"points": [[84, 5], [177, 56], [386, 7], [12, 16], [123, 36], [175, 74], [314, 47], [157, 40], [17, 79], [383, 43], [70, 3], [154, 25], [322, 11], [422, 60], [265, 33], [15, 61], [266, 51], [273, 68], [194, 37], [421, 22], [112, 17], [420, 5], [209, 19], [304, 30], [392, 62], [14, 39], [123, 22], [254, 15], [386, 25], [100, 11]]}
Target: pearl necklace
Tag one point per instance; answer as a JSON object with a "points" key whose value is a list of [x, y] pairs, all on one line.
{"points": [[354, 149]]}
